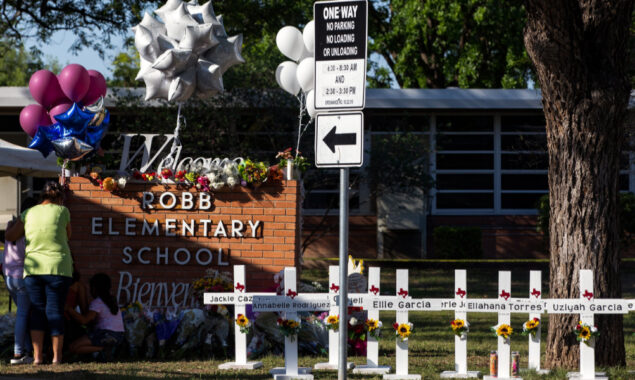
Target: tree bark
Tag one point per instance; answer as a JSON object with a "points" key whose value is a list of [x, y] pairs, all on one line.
{"points": [[579, 49]]}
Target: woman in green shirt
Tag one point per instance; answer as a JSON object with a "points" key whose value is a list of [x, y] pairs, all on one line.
{"points": [[48, 266]]}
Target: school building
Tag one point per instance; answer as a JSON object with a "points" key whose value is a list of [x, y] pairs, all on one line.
{"points": [[486, 152]]}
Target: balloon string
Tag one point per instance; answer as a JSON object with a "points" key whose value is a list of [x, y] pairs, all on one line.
{"points": [[301, 100], [177, 140]]}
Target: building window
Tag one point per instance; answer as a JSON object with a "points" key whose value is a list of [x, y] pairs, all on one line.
{"points": [[464, 172]]}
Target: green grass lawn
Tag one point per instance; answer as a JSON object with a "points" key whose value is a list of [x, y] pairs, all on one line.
{"points": [[431, 345]]}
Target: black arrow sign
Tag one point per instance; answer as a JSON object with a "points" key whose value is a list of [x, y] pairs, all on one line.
{"points": [[332, 139]]}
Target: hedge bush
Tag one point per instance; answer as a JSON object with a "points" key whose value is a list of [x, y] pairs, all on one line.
{"points": [[457, 242]]}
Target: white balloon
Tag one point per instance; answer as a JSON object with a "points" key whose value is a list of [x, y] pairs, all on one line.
{"points": [[310, 104], [308, 35], [285, 76], [289, 42], [306, 74], [188, 53]]}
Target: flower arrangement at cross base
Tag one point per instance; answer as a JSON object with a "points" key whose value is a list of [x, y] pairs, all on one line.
{"points": [[333, 322], [584, 332], [403, 330], [531, 327], [503, 330], [459, 327], [373, 327], [289, 328], [243, 323]]}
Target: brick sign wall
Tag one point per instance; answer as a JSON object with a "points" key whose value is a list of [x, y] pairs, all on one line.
{"points": [[153, 251]]}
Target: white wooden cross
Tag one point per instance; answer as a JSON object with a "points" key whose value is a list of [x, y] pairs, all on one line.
{"points": [[239, 298], [535, 294], [401, 365], [460, 343], [504, 345], [289, 304], [334, 344], [372, 366]]}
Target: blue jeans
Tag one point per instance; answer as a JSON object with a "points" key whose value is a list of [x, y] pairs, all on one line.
{"points": [[18, 292], [48, 297]]}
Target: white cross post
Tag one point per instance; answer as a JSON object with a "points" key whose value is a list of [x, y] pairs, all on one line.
{"points": [[504, 345], [290, 369], [372, 366], [239, 298], [535, 294], [460, 343], [401, 365], [587, 351], [334, 344]]}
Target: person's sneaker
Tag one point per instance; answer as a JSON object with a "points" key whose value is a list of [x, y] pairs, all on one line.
{"points": [[25, 359]]}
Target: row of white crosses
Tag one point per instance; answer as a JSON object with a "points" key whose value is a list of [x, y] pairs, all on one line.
{"points": [[291, 302]]}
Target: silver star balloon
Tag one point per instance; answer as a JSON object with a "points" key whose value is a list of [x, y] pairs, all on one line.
{"points": [[187, 53]]}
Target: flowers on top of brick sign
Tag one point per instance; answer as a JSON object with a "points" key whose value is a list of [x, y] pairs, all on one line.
{"points": [[503, 330], [403, 330], [531, 327], [584, 332], [459, 326]]}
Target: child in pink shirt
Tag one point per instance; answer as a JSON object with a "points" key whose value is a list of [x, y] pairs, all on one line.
{"points": [[104, 313]]}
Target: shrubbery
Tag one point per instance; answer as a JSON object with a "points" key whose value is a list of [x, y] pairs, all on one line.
{"points": [[457, 242]]}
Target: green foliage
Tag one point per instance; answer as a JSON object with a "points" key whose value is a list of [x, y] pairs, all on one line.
{"points": [[18, 64], [626, 209], [442, 43], [125, 69], [457, 242], [217, 127], [93, 23], [399, 163]]}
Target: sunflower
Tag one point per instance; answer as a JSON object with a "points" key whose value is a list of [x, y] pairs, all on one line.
{"points": [[333, 322], [243, 323], [457, 324], [504, 330], [531, 327], [459, 327], [242, 320], [372, 324], [403, 330], [585, 333]]}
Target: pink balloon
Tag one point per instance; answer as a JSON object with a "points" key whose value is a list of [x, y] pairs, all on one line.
{"points": [[45, 88], [96, 89], [58, 109], [74, 81], [33, 116]]}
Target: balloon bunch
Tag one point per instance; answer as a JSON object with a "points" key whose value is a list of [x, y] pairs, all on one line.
{"points": [[187, 53], [298, 74], [70, 118]]}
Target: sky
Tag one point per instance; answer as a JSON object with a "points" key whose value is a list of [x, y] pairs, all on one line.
{"points": [[59, 46]]}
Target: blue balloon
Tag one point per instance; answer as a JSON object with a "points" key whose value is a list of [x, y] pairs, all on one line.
{"points": [[41, 142], [74, 125], [75, 121], [53, 132]]}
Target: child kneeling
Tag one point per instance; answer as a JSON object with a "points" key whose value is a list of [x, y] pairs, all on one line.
{"points": [[108, 330]]}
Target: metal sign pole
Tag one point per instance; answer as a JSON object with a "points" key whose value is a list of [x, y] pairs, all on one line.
{"points": [[344, 180]]}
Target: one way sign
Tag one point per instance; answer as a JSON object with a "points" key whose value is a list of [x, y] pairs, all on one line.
{"points": [[339, 140]]}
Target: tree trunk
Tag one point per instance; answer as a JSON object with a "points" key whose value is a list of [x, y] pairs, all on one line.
{"points": [[579, 49]]}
